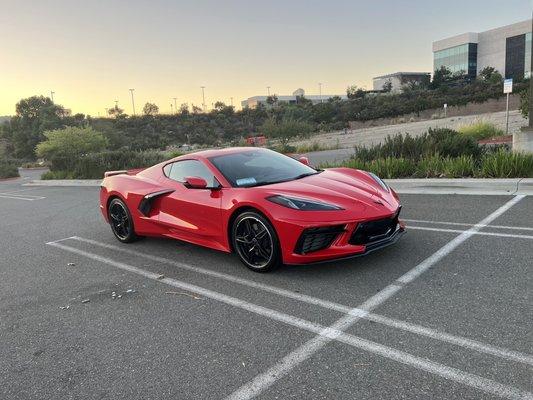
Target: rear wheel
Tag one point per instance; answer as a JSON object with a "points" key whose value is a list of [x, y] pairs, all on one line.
{"points": [[121, 221], [255, 242]]}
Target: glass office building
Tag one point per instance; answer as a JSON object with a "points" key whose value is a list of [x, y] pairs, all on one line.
{"points": [[462, 58], [507, 49]]}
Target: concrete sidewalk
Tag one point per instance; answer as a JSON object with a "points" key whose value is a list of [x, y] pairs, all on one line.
{"points": [[415, 186]]}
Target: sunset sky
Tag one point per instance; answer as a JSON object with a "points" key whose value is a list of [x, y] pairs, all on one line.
{"points": [[90, 52]]}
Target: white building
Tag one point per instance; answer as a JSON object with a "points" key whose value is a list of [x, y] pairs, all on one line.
{"points": [[254, 101], [507, 49]]}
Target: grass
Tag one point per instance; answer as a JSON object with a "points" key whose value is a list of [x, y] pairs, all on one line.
{"points": [[481, 130], [500, 164], [316, 146]]}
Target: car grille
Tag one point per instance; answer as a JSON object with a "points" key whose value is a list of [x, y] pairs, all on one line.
{"points": [[314, 239], [374, 231]]}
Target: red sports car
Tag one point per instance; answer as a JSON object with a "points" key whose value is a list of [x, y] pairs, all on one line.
{"points": [[266, 207]]}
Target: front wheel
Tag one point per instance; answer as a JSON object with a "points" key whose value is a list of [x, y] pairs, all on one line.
{"points": [[255, 242], [121, 221]]}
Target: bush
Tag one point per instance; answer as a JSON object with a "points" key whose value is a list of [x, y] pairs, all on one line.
{"points": [[459, 167], [93, 166], [481, 130], [8, 169], [285, 129], [446, 142], [503, 164], [63, 147]]}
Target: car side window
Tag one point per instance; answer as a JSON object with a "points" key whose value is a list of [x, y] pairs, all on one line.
{"points": [[179, 170]]}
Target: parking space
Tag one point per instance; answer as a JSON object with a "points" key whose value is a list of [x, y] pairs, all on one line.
{"points": [[445, 313]]}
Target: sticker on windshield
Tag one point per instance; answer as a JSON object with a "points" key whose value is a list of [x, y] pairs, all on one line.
{"points": [[246, 181]]}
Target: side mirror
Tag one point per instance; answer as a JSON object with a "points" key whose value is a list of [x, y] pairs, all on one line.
{"points": [[195, 182], [304, 160]]}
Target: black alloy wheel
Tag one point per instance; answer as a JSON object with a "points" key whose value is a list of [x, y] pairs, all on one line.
{"points": [[121, 221], [255, 242]]}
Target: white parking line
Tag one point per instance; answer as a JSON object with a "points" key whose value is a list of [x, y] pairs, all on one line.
{"points": [[509, 235], [475, 381], [421, 221], [287, 363], [27, 198], [394, 323]]}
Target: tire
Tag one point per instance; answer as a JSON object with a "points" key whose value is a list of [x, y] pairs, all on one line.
{"points": [[121, 221], [255, 242]]}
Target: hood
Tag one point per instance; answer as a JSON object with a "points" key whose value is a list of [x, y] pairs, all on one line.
{"points": [[344, 187]]}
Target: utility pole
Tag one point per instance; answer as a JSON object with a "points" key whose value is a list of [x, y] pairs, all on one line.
{"points": [[116, 103], [175, 106], [132, 101], [171, 112], [320, 91], [52, 96], [203, 97]]}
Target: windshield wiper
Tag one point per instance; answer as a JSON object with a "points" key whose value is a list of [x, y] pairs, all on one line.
{"points": [[306, 174]]}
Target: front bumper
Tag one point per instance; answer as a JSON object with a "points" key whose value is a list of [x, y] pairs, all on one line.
{"points": [[338, 248]]}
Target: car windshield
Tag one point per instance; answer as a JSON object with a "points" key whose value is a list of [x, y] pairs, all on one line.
{"points": [[259, 167]]}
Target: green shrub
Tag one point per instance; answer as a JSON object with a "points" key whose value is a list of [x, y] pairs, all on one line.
{"points": [[459, 167], [430, 167], [93, 166], [69, 143], [446, 142], [481, 130], [503, 164], [8, 169], [390, 167]]}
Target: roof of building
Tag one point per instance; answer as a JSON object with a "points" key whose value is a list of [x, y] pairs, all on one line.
{"points": [[402, 74]]}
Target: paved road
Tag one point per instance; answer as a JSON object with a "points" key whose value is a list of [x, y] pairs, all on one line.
{"points": [[372, 136], [457, 326]]}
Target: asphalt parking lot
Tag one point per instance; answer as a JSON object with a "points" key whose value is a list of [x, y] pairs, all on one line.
{"points": [[444, 314]]}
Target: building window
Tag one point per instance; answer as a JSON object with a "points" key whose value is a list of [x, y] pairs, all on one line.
{"points": [[515, 56], [462, 58]]}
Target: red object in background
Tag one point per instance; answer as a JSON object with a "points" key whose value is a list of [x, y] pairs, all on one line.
{"points": [[256, 141], [315, 216]]}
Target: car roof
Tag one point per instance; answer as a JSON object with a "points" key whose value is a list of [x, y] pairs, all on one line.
{"points": [[218, 152]]}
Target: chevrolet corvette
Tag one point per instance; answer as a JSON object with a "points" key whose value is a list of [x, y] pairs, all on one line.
{"points": [[268, 208]]}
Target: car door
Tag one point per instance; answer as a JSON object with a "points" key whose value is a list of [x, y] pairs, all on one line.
{"points": [[191, 214]]}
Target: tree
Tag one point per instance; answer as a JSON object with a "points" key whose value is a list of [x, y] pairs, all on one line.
{"points": [[353, 92], [219, 106], [491, 75], [115, 111], [387, 86], [441, 76], [33, 116], [271, 100], [63, 146], [196, 109], [184, 109], [286, 129], [70, 141], [150, 109], [524, 103]]}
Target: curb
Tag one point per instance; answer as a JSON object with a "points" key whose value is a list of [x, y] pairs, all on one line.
{"points": [[494, 187], [468, 186]]}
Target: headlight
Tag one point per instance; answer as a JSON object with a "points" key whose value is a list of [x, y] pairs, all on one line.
{"points": [[379, 181], [302, 204]]}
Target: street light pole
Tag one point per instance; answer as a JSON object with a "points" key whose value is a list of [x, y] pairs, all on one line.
{"points": [[132, 101], [268, 91], [52, 96], [175, 106], [320, 91], [231, 101], [203, 97]]}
